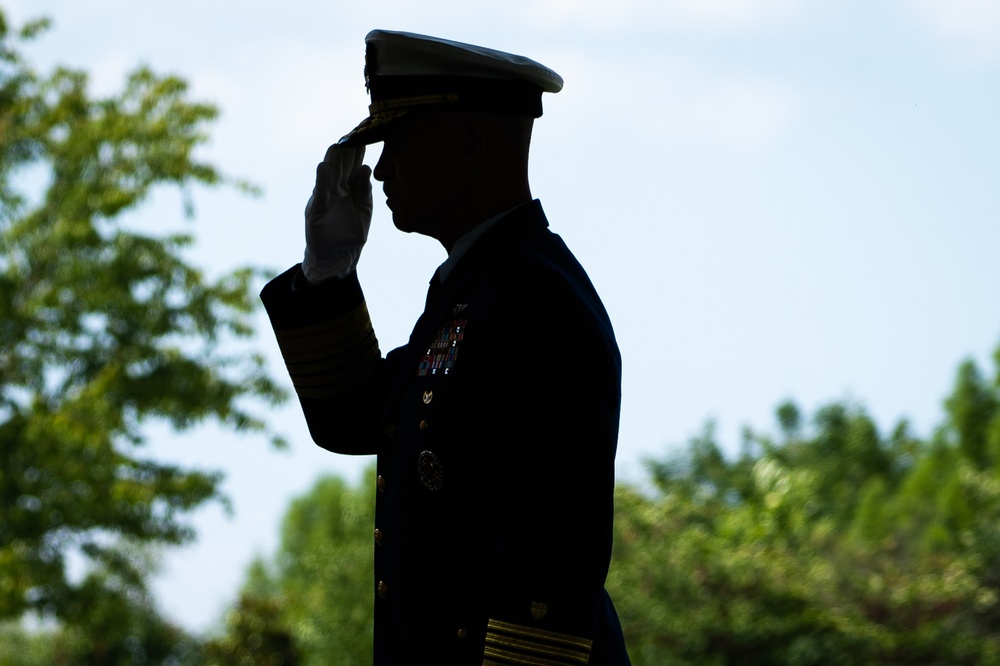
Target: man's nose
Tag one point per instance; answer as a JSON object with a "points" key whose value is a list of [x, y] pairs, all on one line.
{"points": [[381, 168]]}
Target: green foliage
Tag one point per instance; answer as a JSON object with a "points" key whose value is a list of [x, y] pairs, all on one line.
{"points": [[317, 589], [103, 328], [255, 635], [23, 648], [109, 621], [974, 417], [327, 550], [832, 545]]}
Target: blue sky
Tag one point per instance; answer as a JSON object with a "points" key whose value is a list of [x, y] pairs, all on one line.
{"points": [[776, 198]]}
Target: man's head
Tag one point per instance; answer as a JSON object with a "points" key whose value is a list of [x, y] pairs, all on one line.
{"points": [[455, 121], [443, 171], [407, 73]]}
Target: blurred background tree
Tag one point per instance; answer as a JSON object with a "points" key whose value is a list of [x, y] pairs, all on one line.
{"points": [[321, 578], [102, 330], [256, 633], [829, 544]]}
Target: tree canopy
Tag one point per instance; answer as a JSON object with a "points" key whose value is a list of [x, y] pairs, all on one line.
{"points": [[316, 591], [104, 327]]}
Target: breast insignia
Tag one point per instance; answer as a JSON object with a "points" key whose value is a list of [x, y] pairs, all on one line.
{"points": [[431, 470], [442, 351]]}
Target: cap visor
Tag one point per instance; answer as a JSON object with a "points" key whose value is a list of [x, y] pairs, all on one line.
{"points": [[371, 129]]}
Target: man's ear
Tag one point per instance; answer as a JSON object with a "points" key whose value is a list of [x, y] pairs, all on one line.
{"points": [[474, 141]]}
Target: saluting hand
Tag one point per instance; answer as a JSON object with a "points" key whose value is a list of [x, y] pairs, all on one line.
{"points": [[338, 214]]}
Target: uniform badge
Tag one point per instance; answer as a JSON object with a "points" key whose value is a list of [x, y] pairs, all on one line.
{"points": [[442, 352], [431, 470], [539, 610]]}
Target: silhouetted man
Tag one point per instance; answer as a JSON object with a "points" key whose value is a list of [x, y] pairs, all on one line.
{"points": [[496, 425]]}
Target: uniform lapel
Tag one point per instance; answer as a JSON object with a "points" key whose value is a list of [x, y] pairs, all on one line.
{"points": [[435, 310], [440, 297]]}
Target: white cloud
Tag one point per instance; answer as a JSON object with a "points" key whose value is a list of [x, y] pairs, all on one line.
{"points": [[970, 27]]}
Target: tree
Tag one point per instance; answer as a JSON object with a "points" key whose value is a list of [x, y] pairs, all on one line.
{"points": [[974, 416], [831, 544], [111, 622], [115, 623], [320, 578], [103, 329], [256, 633]]}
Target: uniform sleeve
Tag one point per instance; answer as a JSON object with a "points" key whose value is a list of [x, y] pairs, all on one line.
{"points": [[550, 378], [329, 347]]}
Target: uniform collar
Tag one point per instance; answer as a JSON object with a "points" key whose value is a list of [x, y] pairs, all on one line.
{"points": [[463, 244]]}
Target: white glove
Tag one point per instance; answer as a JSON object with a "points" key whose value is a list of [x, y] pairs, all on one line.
{"points": [[338, 215]]}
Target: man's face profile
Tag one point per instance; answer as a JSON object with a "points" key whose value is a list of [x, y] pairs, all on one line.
{"points": [[421, 170]]}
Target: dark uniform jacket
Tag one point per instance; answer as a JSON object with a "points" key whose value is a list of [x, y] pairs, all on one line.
{"points": [[495, 428]]}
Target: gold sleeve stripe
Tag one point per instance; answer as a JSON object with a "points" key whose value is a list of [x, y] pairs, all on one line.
{"points": [[505, 658], [508, 643], [330, 358], [333, 357], [549, 654], [305, 341], [335, 376], [542, 634]]}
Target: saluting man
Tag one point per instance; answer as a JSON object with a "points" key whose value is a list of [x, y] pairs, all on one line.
{"points": [[496, 425]]}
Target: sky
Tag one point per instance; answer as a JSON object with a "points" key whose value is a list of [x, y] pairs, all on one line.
{"points": [[777, 199]]}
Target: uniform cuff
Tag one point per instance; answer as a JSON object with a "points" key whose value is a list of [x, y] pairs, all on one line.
{"points": [[324, 333], [508, 644]]}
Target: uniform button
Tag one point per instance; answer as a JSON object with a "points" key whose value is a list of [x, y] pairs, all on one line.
{"points": [[390, 431], [424, 425], [462, 633], [383, 589], [380, 483], [428, 396], [378, 536]]}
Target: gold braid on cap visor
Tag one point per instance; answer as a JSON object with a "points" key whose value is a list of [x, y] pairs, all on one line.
{"points": [[405, 102]]}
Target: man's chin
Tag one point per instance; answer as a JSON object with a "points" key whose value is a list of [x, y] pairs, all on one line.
{"points": [[401, 223], [407, 223]]}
